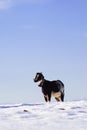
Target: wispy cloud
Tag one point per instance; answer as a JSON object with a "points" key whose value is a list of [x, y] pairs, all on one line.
{"points": [[5, 4]]}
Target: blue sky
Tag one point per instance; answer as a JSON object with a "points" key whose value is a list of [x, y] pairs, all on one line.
{"points": [[48, 36]]}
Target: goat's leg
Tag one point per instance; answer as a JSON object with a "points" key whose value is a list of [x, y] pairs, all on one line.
{"points": [[45, 97], [62, 97], [49, 97], [58, 99]]}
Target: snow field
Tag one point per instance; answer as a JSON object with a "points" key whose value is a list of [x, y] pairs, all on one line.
{"points": [[58, 115]]}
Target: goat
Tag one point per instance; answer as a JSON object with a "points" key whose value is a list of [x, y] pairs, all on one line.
{"points": [[50, 88]]}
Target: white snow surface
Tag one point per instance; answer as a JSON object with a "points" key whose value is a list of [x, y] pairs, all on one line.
{"points": [[44, 116]]}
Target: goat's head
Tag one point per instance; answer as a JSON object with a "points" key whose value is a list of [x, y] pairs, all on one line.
{"points": [[38, 77]]}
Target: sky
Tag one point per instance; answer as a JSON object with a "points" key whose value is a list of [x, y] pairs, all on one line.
{"points": [[48, 36]]}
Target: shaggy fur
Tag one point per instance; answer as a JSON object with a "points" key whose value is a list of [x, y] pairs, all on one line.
{"points": [[50, 88]]}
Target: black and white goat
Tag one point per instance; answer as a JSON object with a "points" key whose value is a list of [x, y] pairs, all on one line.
{"points": [[50, 88]]}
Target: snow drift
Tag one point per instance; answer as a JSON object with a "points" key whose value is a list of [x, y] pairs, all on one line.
{"points": [[58, 116]]}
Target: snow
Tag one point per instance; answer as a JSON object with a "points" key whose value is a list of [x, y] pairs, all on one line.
{"points": [[58, 116]]}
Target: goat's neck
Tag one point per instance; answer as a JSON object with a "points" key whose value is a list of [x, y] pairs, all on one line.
{"points": [[41, 82]]}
